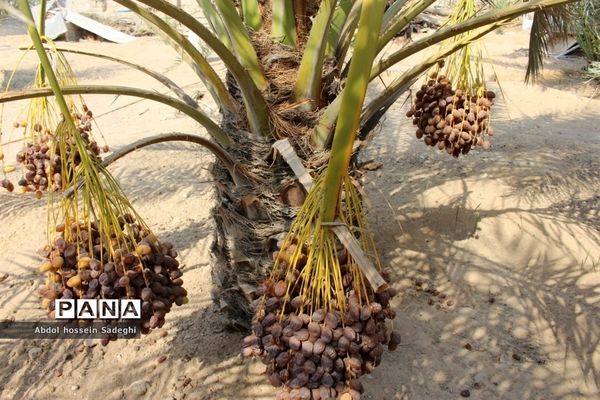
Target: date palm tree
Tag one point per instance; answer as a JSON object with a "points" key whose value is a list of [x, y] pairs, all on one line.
{"points": [[293, 108]]}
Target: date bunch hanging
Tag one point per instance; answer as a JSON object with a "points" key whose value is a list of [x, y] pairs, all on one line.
{"points": [[319, 325], [452, 109], [100, 247], [38, 169]]}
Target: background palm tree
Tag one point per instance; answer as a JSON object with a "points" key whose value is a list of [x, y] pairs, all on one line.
{"points": [[587, 26]]}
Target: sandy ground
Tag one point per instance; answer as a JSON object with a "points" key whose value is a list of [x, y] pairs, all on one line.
{"points": [[496, 256]]}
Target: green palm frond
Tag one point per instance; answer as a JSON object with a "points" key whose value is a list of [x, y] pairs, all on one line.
{"points": [[550, 26]]}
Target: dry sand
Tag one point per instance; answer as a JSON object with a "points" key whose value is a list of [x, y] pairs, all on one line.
{"points": [[496, 256]]}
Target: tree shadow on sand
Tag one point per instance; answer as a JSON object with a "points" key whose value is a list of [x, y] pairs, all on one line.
{"points": [[496, 256], [471, 318]]}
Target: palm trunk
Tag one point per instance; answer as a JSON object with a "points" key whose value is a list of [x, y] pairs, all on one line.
{"points": [[247, 224], [249, 221]]}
